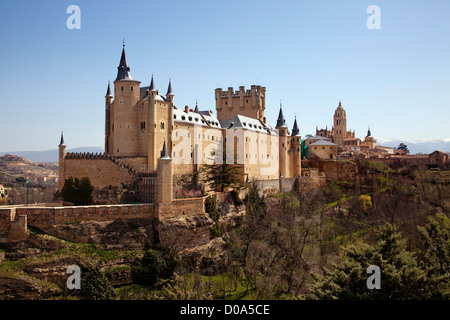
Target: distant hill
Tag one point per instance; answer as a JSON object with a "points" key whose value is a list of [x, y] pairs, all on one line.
{"points": [[49, 155], [414, 147], [15, 171]]}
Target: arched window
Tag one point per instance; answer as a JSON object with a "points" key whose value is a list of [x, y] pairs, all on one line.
{"points": [[162, 125]]}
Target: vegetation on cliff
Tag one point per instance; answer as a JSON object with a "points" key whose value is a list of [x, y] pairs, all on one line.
{"points": [[316, 243]]}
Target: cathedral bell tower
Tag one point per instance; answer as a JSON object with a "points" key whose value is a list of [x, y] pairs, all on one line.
{"points": [[339, 125]]}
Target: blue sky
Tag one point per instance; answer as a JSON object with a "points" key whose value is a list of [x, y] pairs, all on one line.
{"points": [[309, 54]]}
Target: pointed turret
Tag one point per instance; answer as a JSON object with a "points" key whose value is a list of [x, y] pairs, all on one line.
{"points": [[196, 107], [108, 91], [169, 89], [61, 143], [164, 154], [369, 133], [295, 129], [123, 70], [281, 122], [62, 155], [152, 85]]}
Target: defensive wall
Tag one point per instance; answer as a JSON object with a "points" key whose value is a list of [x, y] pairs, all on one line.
{"points": [[102, 170], [14, 219]]}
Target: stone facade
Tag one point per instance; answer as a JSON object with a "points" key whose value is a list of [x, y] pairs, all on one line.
{"points": [[139, 121], [339, 133]]}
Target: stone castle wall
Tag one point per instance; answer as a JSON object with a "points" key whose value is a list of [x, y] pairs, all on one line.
{"points": [[102, 171], [14, 220]]}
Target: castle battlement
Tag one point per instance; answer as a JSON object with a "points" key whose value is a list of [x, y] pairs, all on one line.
{"points": [[86, 155]]}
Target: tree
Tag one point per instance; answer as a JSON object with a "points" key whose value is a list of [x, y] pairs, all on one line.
{"points": [[153, 266], [95, 285], [401, 277], [436, 237], [78, 191], [403, 147], [221, 176]]}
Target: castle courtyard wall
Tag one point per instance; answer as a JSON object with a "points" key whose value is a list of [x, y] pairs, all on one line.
{"points": [[101, 172]]}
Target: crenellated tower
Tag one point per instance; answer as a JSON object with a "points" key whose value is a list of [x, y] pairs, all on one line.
{"points": [[250, 103]]}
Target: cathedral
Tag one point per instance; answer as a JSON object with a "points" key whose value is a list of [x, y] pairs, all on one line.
{"points": [[338, 133]]}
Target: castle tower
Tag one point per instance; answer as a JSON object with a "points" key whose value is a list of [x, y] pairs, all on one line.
{"points": [[169, 98], [62, 155], [160, 120], [124, 123], [250, 103], [282, 143], [108, 102], [339, 125], [164, 180], [296, 143]]}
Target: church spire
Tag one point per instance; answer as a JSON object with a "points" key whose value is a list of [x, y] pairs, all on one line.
{"points": [[368, 132], [281, 122], [123, 70]]}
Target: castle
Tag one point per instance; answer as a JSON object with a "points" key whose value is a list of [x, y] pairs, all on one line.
{"points": [[144, 128]]}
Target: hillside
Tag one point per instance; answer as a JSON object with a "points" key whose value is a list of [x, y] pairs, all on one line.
{"points": [[15, 171]]}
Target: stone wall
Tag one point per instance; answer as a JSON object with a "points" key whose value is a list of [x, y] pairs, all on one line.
{"points": [[13, 220], [101, 172], [182, 207]]}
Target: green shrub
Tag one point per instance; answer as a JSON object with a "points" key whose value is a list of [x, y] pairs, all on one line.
{"points": [[95, 284], [153, 266]]}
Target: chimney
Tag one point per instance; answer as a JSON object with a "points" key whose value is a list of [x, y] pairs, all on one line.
{"points": [[264, 119], [186, 109]]}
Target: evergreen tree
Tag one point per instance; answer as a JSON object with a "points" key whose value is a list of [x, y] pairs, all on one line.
{"points": [[401, 277], [78, 191], [436, 237], [153, 266], [221, 176], [95, 285]]}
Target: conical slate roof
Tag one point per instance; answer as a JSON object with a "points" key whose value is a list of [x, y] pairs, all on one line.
{"points": [[281, 122], [169, 89], [61, 143], [108, 91], [164, 154], [123, 70], [295, 129], [152, 85]]}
